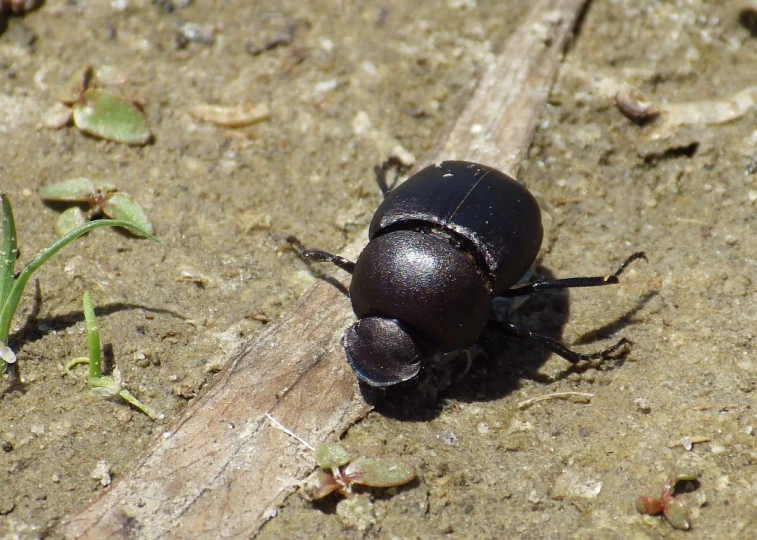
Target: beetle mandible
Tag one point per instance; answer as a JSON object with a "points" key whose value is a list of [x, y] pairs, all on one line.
{"points": [[442, 246]]}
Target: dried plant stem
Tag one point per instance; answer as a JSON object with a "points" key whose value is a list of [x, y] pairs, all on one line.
{"points": [[582, 396]]}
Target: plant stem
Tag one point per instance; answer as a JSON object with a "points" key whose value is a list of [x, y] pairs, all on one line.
{"points": [[93, 338]]}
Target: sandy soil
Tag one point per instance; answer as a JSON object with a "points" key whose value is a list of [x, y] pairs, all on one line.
{"points": [[222, 201]]}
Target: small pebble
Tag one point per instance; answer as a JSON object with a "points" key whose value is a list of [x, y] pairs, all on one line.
{"points": [[643, 405], [102, 473], [194, 33]]}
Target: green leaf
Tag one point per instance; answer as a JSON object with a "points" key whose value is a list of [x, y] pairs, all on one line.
{"points": [[107, 116], [8, 252], [379, 472], [73, 190], [121, 206], [677, 516], [69, 220], [331, 455]]}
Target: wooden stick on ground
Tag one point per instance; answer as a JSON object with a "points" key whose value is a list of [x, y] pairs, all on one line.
{"points": [[221, 470]]}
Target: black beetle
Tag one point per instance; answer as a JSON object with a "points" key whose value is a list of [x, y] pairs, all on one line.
{"points": [[442, 245]]}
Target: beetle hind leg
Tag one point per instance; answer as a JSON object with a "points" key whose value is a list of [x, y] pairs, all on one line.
{"points": [[598, 281], [559, 348], [316, 255]]}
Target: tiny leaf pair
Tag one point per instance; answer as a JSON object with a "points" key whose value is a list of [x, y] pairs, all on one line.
{"points": [[667, 504], [339, 473], [102, 199]]}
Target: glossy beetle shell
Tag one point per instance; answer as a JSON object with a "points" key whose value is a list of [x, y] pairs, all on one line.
{"points": [[493, 212]]}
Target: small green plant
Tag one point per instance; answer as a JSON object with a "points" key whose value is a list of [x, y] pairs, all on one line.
{"points": [[667, 504], [107, 387], [12, 286], [101, 112], [102, 199], [338, 472]]}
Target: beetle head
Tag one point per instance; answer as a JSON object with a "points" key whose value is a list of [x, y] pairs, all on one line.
{"points": [[381, 351]]}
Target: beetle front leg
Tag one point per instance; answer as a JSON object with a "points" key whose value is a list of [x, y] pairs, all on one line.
{"points": [[315, 255], [392, 162], [598, 281], [555, 346]]}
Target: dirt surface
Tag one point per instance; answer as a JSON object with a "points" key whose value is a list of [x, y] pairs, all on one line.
{"points": [[223, 200]]}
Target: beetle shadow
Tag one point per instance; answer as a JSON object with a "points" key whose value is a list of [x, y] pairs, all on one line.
{"points": [[498, 362]]}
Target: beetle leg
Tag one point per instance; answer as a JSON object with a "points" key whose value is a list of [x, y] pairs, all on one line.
{"points": [[557, 347], [381, 179], [598, 281], [316, 255], [392, 162]]}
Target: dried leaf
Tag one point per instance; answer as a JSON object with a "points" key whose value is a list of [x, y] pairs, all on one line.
{"points": [[380, 472], [121, 206], [231, 116], [57, 116], [76, 85], [649, 506], [111, 76], [319, 486], [107, 116]]}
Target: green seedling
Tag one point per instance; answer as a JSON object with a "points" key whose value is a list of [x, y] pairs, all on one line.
{"points": [[107, 387], [667, 504], [337, 472], [12, 286], [102, 199], [102, 113]]}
